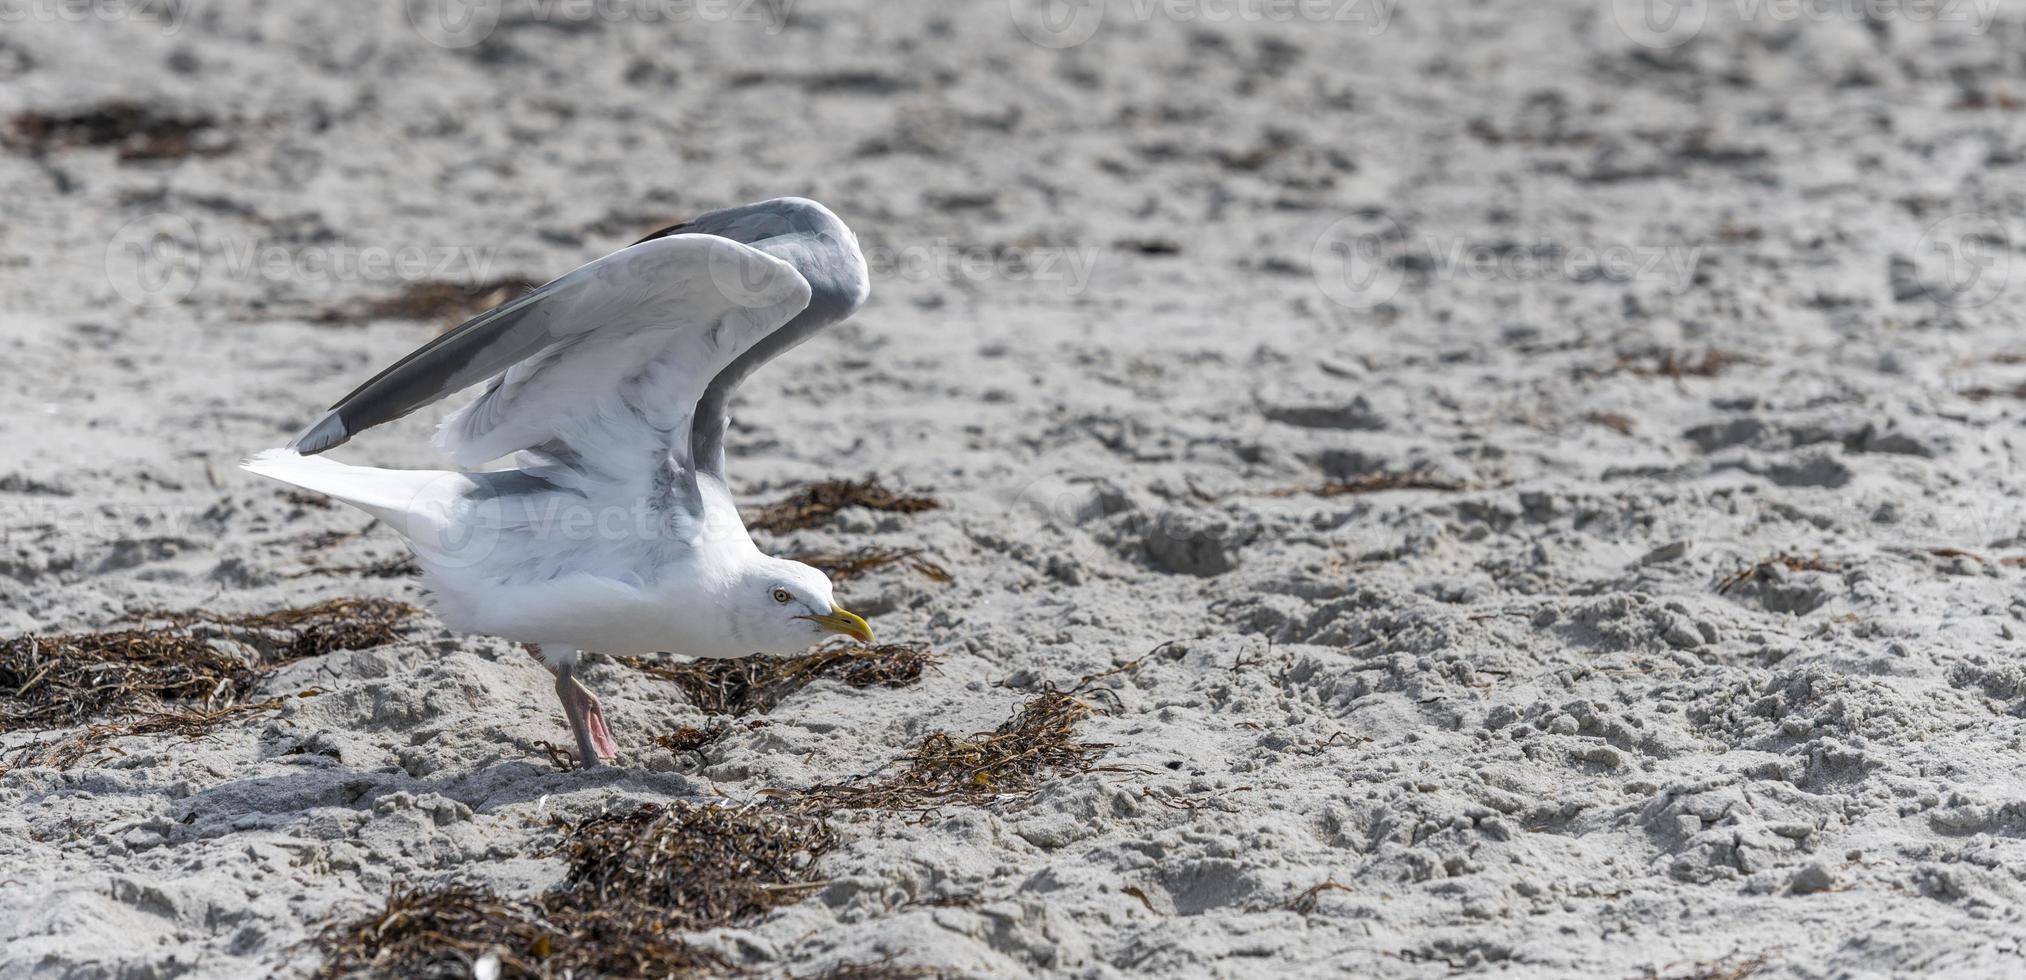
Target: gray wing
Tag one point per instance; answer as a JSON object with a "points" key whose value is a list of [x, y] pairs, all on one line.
{"points": [[806, 235], [604, 363]]}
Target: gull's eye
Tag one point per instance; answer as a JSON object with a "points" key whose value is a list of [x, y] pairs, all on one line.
{"points": [[781, 595]]}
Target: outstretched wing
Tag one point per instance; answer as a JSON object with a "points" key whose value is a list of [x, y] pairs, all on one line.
{"points": [[807, 236], [605, 364]]}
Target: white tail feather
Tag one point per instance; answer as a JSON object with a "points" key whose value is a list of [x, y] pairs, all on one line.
{"points": [[413, 502]]}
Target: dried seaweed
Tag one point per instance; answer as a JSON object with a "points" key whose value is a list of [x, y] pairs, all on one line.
{"points": [[816, 503], [754, 685], [1136, 891], [443, 933], [399, 566], [303, 498], [70, 749], [1957, 553], [1307, 902], [690, 738], [1374, 483], [1681, 364], [1616, 422], [1978, 393], [191, 661], [1011, 760], [701, 866], [844, 566], [137, 131], [635, 881], [437, 300], [49, 681], [1760, 569], [334, 624]]}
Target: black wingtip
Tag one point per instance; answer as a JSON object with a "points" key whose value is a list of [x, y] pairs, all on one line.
{"points": [[323, 434], [674, 229]]}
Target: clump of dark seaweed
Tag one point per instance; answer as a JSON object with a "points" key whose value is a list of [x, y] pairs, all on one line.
{"points": [[437, 300], [1978, 393], [1679, 364], [841, 566], [335, 624], [136, 131], [690, 738], [1038, 741], [700, 866], [756, 684], [445, 932], [814, 504], [1376, 482], [635, 882], [68, 678], [1761, 569], [185, 676], [1615, 421], [48, 681]]}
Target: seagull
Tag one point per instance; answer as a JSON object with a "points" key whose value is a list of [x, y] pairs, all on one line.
{"points": [[611, 529]]}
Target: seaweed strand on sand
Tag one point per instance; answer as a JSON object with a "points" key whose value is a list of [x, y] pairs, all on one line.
{"points": [[755, 685], [185, 674], [817, 502]]}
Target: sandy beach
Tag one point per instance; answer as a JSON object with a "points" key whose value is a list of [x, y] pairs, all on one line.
{"points": [[1507, 490]]}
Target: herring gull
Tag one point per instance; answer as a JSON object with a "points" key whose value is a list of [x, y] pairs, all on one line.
{"points": [[613, 529]]}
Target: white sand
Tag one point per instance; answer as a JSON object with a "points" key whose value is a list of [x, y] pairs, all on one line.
{"points": [[1519, 723]]}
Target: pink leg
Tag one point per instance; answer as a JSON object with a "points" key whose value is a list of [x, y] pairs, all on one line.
{"points": [[587, 718], [594, 721]]}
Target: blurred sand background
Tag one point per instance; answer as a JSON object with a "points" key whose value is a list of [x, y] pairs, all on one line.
{"points": [[1568, 467]]}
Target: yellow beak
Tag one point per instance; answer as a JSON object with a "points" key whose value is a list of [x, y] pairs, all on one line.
{"points": [[842, 620]]}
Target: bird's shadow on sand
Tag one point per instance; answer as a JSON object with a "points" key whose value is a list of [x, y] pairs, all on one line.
{"points": [[278, 801]]}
